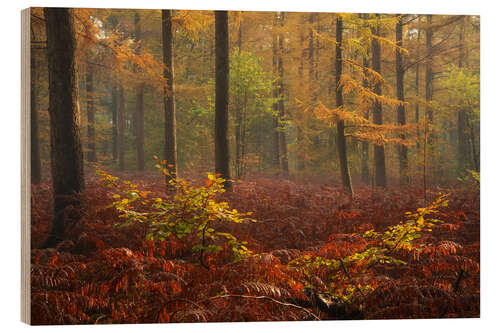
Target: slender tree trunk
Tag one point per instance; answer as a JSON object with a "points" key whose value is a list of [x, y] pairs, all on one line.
{"points": [[463, 151], [276, 123], [341, 141], [168, 94], [379, 152], [300, 116], [36, 168], [222, 96], [429, 137], [114, 120], [403, 149], [417, 90], [139, 108], [89, 78], [281, 102], [121, 129], [65, 144], [365, 170], [238, 127]]}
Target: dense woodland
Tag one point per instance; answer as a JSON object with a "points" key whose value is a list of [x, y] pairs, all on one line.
{"points": [[200, 166]]}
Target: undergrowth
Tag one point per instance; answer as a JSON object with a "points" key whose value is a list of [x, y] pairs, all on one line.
{"points": [[143, 254]]}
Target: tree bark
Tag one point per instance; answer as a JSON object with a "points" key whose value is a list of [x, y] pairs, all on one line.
{"points": [[89, 78], [221, 97], [65, 144], [281, 101], [36, 168], [139, 108], [121, 129], [403, 149], [276, 122], [365, 170], [462, 137], [114, 119], [341, 141], [169, 95], [379, 152]]}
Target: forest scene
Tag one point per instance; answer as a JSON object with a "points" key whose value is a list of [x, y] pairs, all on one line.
{"points": [[222, 166]]}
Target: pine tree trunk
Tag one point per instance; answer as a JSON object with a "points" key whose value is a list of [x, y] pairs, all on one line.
{"points": [[365, 170], [276, 123], [463, 151], [121, 129], [379, 152], [168, 94], [221, 97], [429, 137], [36, 168], [65, 144], [114, 120], [89, 78], [341, 141], [139, 108], [403, 149], [281, 102], [417, 90], [238, 127]]}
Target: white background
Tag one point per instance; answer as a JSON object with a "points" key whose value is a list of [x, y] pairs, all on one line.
{"points": [[490, 127]]}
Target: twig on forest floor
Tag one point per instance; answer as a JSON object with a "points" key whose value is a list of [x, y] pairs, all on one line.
{"points": [[269, 299]]}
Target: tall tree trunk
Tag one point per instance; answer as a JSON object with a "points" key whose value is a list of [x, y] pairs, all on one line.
{"points": [[281, 101], [365, 170], [139, 108], [341, 141], [36, 168], [429, 136], [300, 116], [462, 146], [66, 148], [403, 149], [222, 97], [238, 114], [89, 78], [417, 89], [114, 119], [379, 152], [121, 129], [276, 124], [168, 94]]}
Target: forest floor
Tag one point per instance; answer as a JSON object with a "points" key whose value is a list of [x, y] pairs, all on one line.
{"points": [[316, 253]]}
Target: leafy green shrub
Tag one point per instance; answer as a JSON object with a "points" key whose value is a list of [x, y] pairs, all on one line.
{"points": [[346, 273], [192, 211]]}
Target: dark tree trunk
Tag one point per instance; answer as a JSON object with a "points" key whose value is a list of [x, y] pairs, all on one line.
{"points": [[139, 106], [417, 90], [238, 128], [121, 129], [276, 122], [65, 144], [221, 96], [341, 141], [429, 136], [365, 170], [403, 149], [379, 152], [114, 119], [281, 102], [463, 151], [36, 168], [168, 94], [89, 78]]}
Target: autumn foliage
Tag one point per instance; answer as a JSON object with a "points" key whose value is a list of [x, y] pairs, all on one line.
{"points": [[313, 252]]}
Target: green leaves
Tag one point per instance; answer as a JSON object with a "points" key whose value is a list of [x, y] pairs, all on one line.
{"points": [[193, 210]]}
